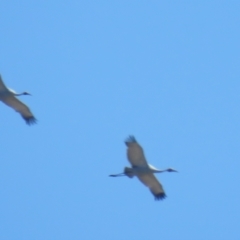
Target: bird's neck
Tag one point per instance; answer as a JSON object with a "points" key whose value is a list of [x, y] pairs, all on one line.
{"points": [[18, 94], [160, 171]]}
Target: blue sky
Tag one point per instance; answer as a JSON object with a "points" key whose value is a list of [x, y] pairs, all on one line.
{"points": [[166, 72]]}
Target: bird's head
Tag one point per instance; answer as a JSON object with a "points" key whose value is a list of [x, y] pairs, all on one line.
{"points": [[26, 93], [171, 170]]}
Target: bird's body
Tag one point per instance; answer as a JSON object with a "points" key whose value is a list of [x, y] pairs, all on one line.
{"points": [[8, 96], [142, 170]]}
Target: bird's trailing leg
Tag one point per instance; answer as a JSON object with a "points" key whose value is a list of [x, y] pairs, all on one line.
{"points": [[126, 172], [117, 175]]}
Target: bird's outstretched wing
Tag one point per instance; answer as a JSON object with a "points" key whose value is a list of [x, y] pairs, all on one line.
{"points": [[154, 185], [135, 153], [2, 85], [20, 107]]}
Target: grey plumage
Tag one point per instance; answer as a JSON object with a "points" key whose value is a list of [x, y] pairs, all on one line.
{"points": [[142, 170], [8, 96]]}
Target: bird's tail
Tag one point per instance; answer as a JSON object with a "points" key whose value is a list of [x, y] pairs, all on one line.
{"points": [[128, 172]]}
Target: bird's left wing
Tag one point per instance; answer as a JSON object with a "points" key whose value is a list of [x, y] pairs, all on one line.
{"points": [[135, 153], [153, 184], [21, 108]]}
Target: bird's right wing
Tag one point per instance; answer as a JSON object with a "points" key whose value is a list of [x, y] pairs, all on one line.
{"points": [[135, 153], [20, 107], [153, 184], [2, 85]]}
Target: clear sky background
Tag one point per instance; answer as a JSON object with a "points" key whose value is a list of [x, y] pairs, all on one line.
{"points": [[167, 72]]}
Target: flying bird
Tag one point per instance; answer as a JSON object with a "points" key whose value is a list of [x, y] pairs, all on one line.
{"points": [[141, 169], [8, 96]]}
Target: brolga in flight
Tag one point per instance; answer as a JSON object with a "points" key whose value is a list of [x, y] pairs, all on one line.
{"points": [[8, 96], [142, 169]]}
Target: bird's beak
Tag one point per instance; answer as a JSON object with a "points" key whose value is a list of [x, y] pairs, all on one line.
{"points": [[171, 170]]}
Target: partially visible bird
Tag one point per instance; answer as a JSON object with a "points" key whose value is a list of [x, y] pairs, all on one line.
{"points": [[8, 96], [141, 169]]}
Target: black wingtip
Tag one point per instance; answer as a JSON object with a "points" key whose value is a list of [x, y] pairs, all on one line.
{"points": [[130, 139], [30, 120], [160, 196]]}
